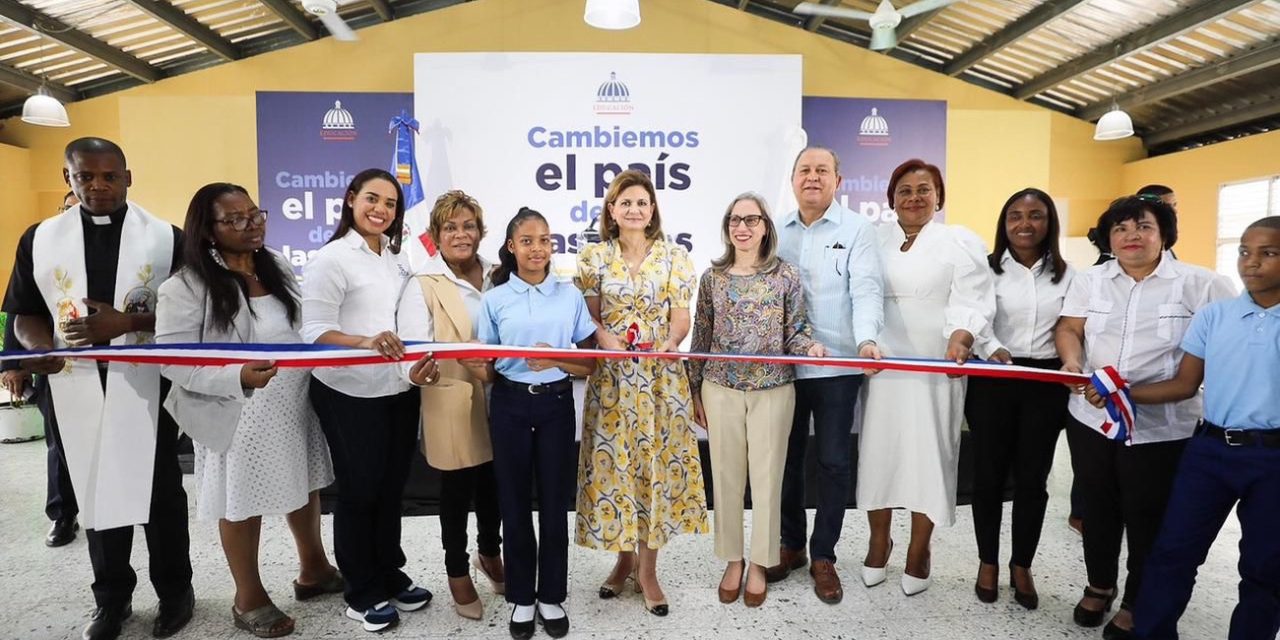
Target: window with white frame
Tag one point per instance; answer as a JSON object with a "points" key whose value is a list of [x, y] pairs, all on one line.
{"points": [[1239, 205]]}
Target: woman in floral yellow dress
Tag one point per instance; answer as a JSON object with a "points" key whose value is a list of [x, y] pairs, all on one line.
{"points": [[639, 474]]}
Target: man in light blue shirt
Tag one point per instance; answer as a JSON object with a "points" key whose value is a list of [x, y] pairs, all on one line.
{"points": [[839, 264]]}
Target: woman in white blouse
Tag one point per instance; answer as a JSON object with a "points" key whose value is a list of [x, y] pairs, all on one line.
{"points": [[1014, 424], [258, 446], [357, 292], [1130, 313], [938, 297]]}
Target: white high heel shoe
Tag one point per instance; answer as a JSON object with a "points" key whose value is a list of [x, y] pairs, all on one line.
{"points": [[912, 585], [872, 576]]}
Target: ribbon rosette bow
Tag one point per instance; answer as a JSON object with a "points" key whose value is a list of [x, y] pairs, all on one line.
{"points": [[1120, 409], [633, 335]]}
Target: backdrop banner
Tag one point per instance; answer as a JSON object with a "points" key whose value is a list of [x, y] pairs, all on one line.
{"points": [[873, 136], [550, 130], [310, 146]]}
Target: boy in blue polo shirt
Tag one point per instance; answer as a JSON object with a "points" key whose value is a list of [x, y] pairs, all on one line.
{"points": [[1233, 346]]}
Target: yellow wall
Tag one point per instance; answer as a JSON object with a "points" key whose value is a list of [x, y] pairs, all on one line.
{"points": [[18, 199], [1195, 176], [200, 127]]}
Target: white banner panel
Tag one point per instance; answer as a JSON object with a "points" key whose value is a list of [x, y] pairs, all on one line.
{"points": [[550, 130]]}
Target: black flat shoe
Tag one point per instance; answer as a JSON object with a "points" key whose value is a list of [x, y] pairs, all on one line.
{"points": [[1112, 632], [1089, 618], [62, 532], [555, 627], [106, 622], [174, 615], [521, 630]]}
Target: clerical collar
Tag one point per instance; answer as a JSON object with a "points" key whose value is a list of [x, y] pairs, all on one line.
{"points": [[115, 217]]}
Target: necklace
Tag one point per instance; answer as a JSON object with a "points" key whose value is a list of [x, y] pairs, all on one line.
{"points": [[912, 235], [250, 275]]}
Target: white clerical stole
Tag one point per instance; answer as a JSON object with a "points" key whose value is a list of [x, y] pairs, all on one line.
{"points": [[109, 438]]}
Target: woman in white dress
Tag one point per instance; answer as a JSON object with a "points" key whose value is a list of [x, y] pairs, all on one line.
{"points": [[258, 445], [938, 296]]}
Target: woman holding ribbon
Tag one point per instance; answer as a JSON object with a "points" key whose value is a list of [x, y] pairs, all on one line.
{"points": [[455, 422], [1014, 424], [356, 292], [532, 418], [749, 301], [640, 477], [258, 445], [1129, 313], [938, 298]]}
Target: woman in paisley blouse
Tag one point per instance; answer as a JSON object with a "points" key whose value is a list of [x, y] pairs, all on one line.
{"points": [[639, 475], [749, 301]]}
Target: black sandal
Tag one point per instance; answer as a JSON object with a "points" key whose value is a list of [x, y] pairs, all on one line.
{"points": [[1088, 617], [335, 583]]}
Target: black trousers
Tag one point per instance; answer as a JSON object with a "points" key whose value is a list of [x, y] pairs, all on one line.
{"points": [[830, 402], [459, 489], [60, 501], [1124, 492], [533, 447], [372, 443], [168, 541], [1013, 426]]}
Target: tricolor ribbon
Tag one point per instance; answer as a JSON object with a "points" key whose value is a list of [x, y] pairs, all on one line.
{"points": [[318, 355], [633, 343], [1121, 411]]}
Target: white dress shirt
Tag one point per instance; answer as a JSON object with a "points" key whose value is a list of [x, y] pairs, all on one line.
{"points": [[1028, 303], [1137, 327], [348, 288]]}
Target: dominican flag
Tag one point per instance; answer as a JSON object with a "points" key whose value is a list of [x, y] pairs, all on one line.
{"points": [[1121, 411], [404, 166]]}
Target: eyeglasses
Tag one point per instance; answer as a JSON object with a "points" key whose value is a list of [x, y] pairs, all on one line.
{"points": [[240, 223], [751, 221]]}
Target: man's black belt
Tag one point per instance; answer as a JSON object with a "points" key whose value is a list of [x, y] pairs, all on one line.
{"points": [[1269, 438], [538, 388]]}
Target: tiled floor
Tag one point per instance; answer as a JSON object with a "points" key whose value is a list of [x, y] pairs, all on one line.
{"points": [[46, 591]]}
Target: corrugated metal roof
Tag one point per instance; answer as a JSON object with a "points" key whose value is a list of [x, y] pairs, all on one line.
{"points": [[1170, 63]]}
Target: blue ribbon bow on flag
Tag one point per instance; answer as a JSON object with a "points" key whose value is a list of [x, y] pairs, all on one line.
{"points": [[404, 166], [1120, 408]]}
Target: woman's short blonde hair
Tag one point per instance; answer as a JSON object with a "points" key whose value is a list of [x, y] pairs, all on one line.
{"points": [[448, 204]]}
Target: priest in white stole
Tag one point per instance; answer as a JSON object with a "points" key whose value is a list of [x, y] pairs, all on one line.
{"points": [[89, 277]]}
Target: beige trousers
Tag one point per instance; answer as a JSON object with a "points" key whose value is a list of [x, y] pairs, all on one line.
{"points": [[748, 435]]}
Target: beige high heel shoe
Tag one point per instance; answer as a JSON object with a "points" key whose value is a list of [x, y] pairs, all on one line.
{"points": [[611, 590], [461, 588], [499, 586]]}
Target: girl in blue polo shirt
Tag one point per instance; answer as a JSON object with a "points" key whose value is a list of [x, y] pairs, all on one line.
{"points": [[531, 419], [1233, 347]]}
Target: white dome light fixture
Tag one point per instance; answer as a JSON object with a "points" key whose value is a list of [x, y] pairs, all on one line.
{"points": [[44, 110], [1113, 125], [613, 15]]}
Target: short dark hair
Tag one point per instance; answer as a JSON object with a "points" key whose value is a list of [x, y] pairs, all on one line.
{"points": [[835, 157], [1269, 222], [1155, 190], [1133, 208], [94, 145], [916, 164]]}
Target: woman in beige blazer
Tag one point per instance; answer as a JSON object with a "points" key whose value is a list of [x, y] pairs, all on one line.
{"points": [[455, 422]]}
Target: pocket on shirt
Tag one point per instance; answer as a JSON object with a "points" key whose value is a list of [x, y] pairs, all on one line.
{"points": [[1098, 316], [1173, 321], [835, 261]]}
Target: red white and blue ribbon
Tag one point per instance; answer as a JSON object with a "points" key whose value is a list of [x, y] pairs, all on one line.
{"points": [[315, 355], [1121, 411]]}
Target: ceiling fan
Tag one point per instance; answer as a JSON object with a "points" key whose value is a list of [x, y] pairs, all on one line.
{"points": [[884, 22], [327, 11]]}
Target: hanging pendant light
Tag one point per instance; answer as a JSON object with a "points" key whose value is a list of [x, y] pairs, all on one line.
{"points": [[612, 14], [44, 110], [1113, 125]]}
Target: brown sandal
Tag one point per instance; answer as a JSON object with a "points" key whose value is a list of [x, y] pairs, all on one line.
{"points": [[263, 622]]}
